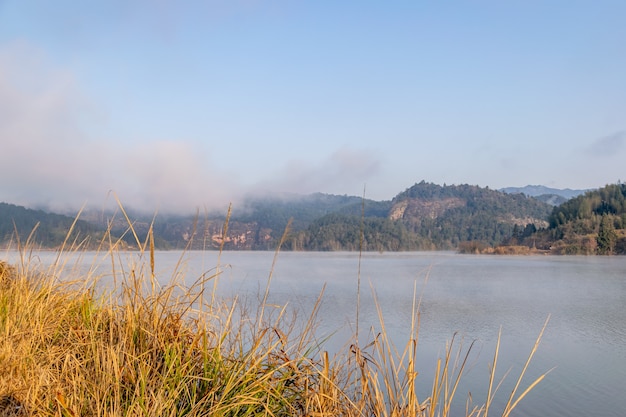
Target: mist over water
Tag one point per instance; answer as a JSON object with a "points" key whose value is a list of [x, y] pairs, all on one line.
{"points": [[469, 298]]}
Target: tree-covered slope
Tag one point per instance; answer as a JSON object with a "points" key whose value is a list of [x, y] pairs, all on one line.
{"points": [[275, 211], [450, 214], [335, 232], [426, 217], [594, 222], [47, 229], [423, 217]]}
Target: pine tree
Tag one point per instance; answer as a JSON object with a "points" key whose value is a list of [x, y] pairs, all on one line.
{"points": [[606, 236]]}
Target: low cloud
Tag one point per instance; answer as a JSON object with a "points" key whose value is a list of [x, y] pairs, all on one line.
{"points": [[344, 169], [608, 145], [48, 161]]}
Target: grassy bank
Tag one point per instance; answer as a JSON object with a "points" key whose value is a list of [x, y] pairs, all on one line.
{"points": [[137, 348]]}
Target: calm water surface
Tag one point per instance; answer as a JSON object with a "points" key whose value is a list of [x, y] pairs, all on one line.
{"points": [[471, 296]]}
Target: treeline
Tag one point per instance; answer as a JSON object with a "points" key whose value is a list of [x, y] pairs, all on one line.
{"points": [[341, 232], [274, 212], [18, 224], [592, 223], [425, 216], [467, 213]]}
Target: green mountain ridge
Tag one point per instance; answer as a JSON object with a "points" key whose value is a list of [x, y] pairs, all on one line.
{"points": [[425, 216], [19, 225], [450, 215], [592, 223]]}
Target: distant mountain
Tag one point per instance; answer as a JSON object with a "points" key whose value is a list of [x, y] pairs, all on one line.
{"points": [[450, 215], [258, 223], [44, 229], [273, 211], [540, 190], [425, 216]]}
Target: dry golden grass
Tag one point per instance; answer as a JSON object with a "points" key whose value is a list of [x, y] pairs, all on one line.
{"points": [[70, 348]]}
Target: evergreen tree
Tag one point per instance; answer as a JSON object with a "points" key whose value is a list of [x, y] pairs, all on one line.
{"points": [[606, 236]]}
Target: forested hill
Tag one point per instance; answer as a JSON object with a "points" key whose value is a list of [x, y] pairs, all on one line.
{"points": [[425, 216], [447, 216], [44, 229], [274, 211], [592, 223]]}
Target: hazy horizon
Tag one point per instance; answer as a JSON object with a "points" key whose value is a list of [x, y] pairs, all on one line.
{"points": [[112, 202], [176, 106]]}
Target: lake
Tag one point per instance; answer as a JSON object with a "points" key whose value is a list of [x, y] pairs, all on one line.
{"points": [[584, 344]]}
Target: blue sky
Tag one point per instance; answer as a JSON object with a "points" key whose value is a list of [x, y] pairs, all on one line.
{"points": [[179, 105]]}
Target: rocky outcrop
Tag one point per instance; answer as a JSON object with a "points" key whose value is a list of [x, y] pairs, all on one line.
{"points": [[414, 207]]}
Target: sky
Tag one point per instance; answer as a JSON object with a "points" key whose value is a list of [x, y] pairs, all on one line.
{"points": [[176, 106]]}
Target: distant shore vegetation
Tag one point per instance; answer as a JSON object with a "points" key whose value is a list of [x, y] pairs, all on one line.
{"points": [[424, 217]]}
